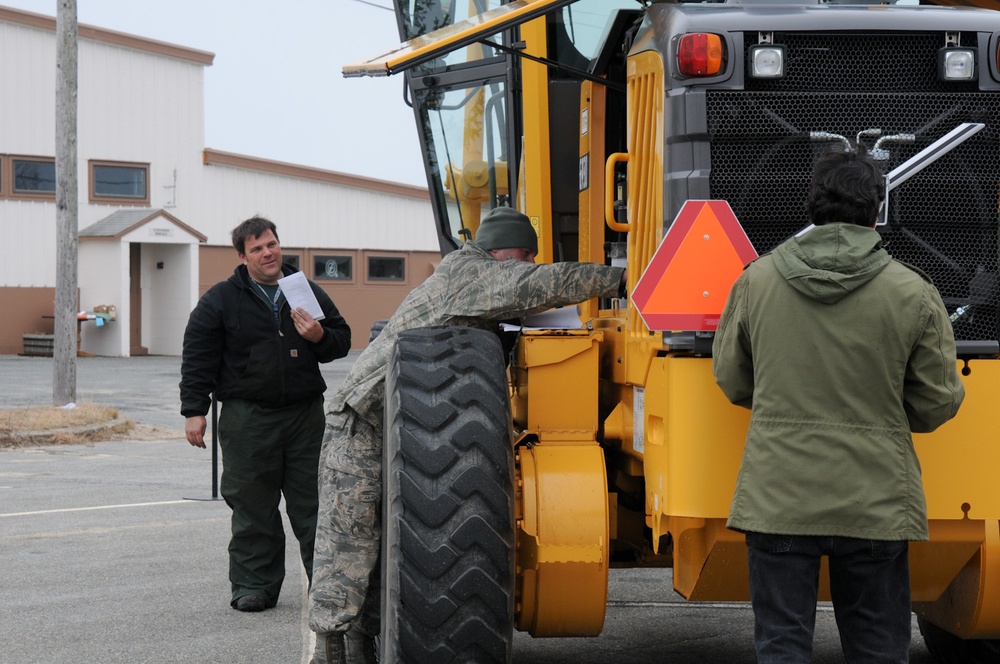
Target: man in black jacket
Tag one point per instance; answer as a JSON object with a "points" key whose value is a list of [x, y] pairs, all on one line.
{"points": [[260, 357]]}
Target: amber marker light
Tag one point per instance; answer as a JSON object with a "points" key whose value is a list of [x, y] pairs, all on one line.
{"points": [[699, 54]]}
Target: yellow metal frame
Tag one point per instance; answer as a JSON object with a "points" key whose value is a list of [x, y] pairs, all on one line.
{"points": [[561, 505], [555, 389], [672, 423], [536, 181], [958, 463], [968, 607], [691, 433], [686, 441], [593, 100], [452, 37], [645, 82], [954, 488]]}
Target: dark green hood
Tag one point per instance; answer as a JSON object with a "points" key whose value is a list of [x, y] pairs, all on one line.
{"points": [[828, 262]]}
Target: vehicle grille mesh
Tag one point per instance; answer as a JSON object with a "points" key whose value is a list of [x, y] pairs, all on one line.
{"points": [[943, 220]]}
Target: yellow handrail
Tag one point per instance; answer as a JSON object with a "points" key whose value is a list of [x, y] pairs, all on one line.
{"points": [[609, 191]]}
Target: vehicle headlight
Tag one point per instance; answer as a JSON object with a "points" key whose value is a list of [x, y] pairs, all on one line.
{"points": [[957, 64], [767, 61]]}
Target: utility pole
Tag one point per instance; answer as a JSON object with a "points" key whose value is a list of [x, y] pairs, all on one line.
{"points": [[67, 208]]}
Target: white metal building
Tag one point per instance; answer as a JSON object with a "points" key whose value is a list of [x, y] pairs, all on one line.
{"points": [[156, 205]]}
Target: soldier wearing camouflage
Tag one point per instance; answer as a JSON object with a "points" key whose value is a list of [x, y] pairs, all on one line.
{"points": [[476, 286]]}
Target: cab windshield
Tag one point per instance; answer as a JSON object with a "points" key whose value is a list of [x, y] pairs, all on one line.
{"points": [[465, 107]]}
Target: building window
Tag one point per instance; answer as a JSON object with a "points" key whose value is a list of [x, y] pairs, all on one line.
{"points": [[119, 182], [34, 177], [386, 268], [332, 268]]}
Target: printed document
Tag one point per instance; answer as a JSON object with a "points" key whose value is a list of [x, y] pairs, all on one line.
{"points": [[563, 318], [298, 293]]}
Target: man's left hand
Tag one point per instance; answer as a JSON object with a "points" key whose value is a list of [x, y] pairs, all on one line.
{"points": [[307, 326]]}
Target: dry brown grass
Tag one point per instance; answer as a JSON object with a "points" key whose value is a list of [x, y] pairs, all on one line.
{"points": [[54, 425]]}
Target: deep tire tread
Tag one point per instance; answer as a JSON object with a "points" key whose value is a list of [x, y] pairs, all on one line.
{"points": [[448, 568], [432, 511]]}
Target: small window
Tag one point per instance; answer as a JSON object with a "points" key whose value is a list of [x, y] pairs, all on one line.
{"points": [[34, 176], [332, 268], [119, 182], [291, 259], [386, 268]]}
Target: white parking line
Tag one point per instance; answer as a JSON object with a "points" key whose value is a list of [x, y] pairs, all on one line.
{"points": [[98, 507]]}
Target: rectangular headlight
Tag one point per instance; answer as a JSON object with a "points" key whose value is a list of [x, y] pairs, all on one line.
{"points": [[957, 64], [767, 61]]}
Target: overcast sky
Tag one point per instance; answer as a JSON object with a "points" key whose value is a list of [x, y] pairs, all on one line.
{"points": [[275, 90]]}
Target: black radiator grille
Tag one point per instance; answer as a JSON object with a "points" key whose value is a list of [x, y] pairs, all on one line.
{"points": [[943, 220]]}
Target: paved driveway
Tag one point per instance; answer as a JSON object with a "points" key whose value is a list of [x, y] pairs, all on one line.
{"points": [[115, 553]]}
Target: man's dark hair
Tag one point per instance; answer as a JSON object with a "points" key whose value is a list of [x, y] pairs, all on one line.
{"points": [[252, 227], [847, 187]]}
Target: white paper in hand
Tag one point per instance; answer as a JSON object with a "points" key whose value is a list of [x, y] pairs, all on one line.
{"points": [[298, 293]]}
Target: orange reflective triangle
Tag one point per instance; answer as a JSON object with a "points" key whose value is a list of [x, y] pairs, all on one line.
{"points": [[686, 283]]}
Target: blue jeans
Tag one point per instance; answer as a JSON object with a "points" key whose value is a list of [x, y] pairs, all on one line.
{"points": [[870, 588]]}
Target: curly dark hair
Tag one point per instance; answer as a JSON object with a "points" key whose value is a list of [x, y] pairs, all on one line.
{"points": [[252, 227], [847, 187]]}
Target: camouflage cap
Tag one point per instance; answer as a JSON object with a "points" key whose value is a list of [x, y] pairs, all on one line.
{"points": [[506, 228]]}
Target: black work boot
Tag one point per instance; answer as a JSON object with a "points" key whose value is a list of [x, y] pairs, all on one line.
{"points": [[329, 649], [359, 648]]}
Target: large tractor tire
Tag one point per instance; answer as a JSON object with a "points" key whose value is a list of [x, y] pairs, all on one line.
{"points": [[376, 330], [950, 649], [448, 530]]}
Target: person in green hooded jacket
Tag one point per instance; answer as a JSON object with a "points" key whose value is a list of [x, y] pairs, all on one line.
{"points": [[840, 352]]}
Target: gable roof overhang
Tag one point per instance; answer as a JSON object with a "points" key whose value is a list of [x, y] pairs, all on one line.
{"points": [[122, 222]]}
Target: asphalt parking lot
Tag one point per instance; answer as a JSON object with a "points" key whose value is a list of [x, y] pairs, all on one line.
{"points": [[115, 552]]}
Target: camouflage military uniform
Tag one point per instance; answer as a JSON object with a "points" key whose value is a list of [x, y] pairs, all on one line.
{"points": [[471, 289]]}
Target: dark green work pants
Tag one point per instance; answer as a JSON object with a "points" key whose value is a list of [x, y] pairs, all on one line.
{"points": [[267, 452]]}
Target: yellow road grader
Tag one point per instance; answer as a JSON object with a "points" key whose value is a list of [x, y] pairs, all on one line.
{"points": [[511, 489]]}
